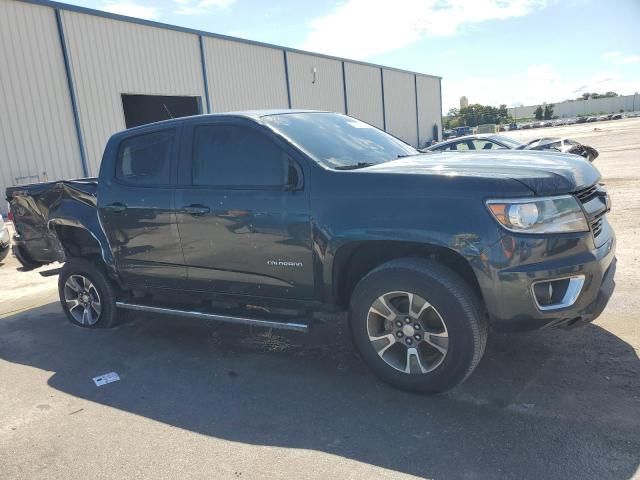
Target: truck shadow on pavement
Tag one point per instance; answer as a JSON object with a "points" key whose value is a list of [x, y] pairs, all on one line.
{"points": [[546, 404]]}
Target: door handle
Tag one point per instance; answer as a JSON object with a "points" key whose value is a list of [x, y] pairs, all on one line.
{"points": [[196, 210], [116, 207]]}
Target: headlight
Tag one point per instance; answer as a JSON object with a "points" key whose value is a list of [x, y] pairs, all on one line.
{"points": [[540, 215]]}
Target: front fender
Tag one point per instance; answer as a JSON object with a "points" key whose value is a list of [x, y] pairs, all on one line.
{"points": [[467, 245]]}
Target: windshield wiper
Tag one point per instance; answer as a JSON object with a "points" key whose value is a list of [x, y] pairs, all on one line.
{"points": [[407, 155], [354, 166]]}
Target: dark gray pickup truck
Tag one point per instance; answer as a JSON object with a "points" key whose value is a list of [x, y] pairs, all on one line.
{"points": [[301, 212]]}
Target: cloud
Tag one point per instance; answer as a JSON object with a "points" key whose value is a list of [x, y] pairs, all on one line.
{"points": [[364, 28], [617, 58], [610, 55], [131, 9], [197, 7], [539, 83], [627, 60]]}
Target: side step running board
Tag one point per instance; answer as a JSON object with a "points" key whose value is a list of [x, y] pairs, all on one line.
{"points": [[298, 327], [51, 273]]}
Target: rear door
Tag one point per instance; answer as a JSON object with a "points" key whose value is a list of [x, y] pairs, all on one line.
{"points": [[243, 211], [136, 201]]}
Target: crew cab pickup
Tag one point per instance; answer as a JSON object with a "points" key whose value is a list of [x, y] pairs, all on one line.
{"points": [[276, 218]]}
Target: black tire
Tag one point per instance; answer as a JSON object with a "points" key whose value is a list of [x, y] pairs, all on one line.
{"points": [[102, 286], [454, 303], [25, 260]]}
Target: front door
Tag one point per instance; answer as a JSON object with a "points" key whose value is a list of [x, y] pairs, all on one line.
{"points": [[244, 226], [136, 207]]}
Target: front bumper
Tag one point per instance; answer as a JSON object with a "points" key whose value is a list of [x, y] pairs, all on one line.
{"points": [[510, 298]]}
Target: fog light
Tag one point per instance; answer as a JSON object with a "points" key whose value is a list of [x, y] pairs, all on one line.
{"points": [[543, 292], [560, 293]]}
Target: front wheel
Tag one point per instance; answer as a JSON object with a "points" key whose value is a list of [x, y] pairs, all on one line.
{"points": [[417, 325], [86, 294]]}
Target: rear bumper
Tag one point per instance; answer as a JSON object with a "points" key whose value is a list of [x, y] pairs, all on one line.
{"points": [[511, 301], [4, 250]]}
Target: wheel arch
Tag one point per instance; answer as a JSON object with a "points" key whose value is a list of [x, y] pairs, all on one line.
{"points": [[81, 241], [354, 260]]}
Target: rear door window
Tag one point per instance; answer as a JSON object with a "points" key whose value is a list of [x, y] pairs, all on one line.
{"points": [[462, 146], [146, 159], [484, 145]]}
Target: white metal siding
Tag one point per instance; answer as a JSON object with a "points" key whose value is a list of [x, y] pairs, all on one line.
{"points": [[109, 58], [244, 77], [327, 93], [364, 93], [400, 105], [37, 133], [429, 113]]}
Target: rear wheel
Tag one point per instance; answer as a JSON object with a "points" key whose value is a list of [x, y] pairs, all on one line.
{"points": [[86, 294], [417, 325]]}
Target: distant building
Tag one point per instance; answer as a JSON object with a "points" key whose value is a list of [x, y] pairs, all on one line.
{"points": [[575, 108], [464, 102]]}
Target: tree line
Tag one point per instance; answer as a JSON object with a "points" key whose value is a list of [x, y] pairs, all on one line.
{"points": [[477, 114]]}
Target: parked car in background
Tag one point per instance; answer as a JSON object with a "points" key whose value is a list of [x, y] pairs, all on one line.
{"points": [[464, 130], [497, 141], [564, 145], [592, 119], [572, 121], [5, 242], [486, 141]]}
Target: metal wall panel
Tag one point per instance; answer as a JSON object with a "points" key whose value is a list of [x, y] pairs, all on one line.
{"points": [[364, 93], [244, 77], [429, 107], [109, 58], [322, 90], [400, 105], [37, 134]]}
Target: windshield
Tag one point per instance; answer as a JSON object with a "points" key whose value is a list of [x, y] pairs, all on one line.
{"points": [[508, 141], [338, 141]]}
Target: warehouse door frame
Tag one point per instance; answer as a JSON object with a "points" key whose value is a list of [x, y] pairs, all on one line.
{"points": [[140, 109]]}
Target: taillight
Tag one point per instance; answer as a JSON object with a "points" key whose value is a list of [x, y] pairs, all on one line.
{"points": [[10, 216]]}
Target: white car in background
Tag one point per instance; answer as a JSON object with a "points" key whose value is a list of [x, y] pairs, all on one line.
{"points": [[5, 244]]}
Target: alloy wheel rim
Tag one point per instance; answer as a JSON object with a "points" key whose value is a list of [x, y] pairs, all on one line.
{"points": [[82, 300], [407, 332]]}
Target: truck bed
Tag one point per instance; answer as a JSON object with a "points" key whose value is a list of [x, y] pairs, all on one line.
{"points": [[35, 205]]}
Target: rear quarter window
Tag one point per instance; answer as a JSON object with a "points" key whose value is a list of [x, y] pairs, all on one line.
{"points": [[145, 159]]}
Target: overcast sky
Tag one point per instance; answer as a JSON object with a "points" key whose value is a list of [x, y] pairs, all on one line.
{"points": [[492, 51]]}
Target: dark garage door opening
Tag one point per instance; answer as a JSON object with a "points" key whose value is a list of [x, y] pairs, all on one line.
{"points": [[142, 109]]}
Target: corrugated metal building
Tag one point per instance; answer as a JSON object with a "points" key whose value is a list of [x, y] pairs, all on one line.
{"points": [[70, 77], [575, 108]]}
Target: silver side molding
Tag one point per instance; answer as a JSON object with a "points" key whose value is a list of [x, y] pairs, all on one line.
{"points": [[285, 325]]}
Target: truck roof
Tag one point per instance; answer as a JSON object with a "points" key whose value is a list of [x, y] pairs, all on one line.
{"points": [[252, 114]]}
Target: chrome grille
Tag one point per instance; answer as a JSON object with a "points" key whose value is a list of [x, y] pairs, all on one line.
{"points": [[596, 227], [587, 194]]}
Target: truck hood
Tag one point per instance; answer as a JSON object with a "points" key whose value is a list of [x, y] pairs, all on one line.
{"points": [[545, 173]]}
